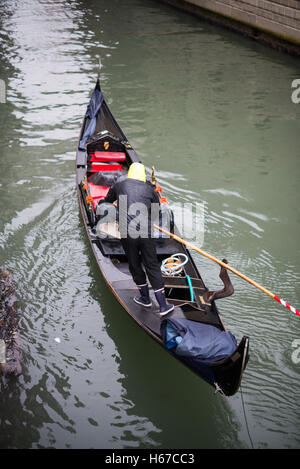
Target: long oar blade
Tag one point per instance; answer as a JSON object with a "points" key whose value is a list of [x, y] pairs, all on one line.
{"points": [[232, 269]]}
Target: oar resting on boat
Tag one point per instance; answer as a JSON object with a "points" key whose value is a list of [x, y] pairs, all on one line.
{"points": [[232, 269]]}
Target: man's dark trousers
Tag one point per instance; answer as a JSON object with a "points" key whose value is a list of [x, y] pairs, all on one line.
{"points": [[143, 251]]}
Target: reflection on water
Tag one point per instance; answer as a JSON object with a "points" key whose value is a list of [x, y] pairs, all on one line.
{"points": [[212, 112]]}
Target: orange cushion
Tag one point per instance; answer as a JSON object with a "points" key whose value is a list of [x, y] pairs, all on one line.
{"points": [[104, 167], [98, 192], [108, 156]]}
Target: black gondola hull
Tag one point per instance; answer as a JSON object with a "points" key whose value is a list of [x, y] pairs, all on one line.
{"points": [[225, 375]]}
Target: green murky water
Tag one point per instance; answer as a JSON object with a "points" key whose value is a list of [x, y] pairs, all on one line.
{"points": [[212, 111]]}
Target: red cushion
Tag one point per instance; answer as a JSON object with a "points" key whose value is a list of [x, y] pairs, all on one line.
{"points": [[107, 156], [98, 192], [105, 167]]}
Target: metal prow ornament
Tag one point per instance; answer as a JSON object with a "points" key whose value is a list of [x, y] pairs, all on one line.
{"points": [[153, 178]]}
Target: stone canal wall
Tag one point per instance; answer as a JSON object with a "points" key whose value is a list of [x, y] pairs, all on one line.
{"points": [[276, 23]]}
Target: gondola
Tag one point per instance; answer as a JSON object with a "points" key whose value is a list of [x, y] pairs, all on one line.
{"points": [[104, 154]]}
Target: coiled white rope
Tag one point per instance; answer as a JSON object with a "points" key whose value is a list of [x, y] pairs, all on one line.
{"points": [[173, 265]]}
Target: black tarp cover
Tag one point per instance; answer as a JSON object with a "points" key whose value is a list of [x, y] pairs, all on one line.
{"points": [[91, 113]]}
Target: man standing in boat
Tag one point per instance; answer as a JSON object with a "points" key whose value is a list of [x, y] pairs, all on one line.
{"points": [[136, 198]]}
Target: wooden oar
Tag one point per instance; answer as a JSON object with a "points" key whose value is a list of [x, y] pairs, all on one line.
{"points": [[236, 272]]}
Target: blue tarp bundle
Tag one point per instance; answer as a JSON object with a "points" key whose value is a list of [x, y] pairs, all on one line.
{"points": [[192, 339], [92, 111]]}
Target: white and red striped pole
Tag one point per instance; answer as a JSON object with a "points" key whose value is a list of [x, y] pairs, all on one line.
{"points": [[236, 272], [284, 303]]}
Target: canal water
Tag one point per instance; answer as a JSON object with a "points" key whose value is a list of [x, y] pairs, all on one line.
{"points": [[212, 111]]}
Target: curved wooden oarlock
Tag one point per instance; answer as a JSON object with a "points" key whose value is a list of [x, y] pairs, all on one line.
{"points": [[228, 289]]}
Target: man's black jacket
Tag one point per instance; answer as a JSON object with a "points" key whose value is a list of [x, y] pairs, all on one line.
{"points": [[137, 200]]}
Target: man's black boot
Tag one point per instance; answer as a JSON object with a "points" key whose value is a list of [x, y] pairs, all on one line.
{"points": [[165, 307], [144, 299]]}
